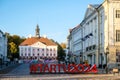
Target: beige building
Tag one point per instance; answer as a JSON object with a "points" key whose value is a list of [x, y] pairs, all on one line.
{"points": [[101, 33]]}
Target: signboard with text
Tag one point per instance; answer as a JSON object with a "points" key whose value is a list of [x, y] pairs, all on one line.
{"points": [[62, 68]]}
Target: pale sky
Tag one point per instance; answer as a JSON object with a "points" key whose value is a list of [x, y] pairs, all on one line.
{"points": [[54, 17]]}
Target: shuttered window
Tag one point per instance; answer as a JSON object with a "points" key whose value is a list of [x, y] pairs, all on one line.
{"points": [[117, 35], [117, 13]]}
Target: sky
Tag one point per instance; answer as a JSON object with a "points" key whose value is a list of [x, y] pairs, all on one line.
{"points": [[54, 17]]}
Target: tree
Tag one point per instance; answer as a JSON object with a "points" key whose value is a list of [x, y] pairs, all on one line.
{"points": [[16, 40], [13, 49], [63, 45], [61, 53]]}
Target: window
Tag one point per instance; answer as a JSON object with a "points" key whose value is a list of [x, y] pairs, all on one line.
{"points": [[87, 48], [29, 49], [94, 46], [29, 54], [25, 49], [117, 13], [47, 50], [50, 49], [117, 35], [38, 49]]}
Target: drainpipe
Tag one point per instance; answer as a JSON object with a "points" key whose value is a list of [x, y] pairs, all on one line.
{"points": [[96, 9], [108, 24]]}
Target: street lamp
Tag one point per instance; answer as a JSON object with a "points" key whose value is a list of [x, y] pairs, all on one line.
{"points": [[107, 52]]}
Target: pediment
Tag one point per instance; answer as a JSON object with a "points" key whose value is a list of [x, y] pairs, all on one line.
{"points": [[88, 12], [38, 44], [91, 8]]}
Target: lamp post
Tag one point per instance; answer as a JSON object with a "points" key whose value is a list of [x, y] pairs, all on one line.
{"points": [[107, 52]]}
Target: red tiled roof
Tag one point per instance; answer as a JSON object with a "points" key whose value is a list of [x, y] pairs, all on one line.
{"points": [[33, 40]]}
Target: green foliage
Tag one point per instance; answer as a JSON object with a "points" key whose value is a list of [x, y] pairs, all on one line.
{"points": [[63, 45], [13, 45], [61, 53]]}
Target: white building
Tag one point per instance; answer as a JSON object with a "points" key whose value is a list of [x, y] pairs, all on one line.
{"points": [[38, 48], [75, 44], [101, 33], [3, 47]]}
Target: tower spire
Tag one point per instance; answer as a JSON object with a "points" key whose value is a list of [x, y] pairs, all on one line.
{"points": [[37, 31]]}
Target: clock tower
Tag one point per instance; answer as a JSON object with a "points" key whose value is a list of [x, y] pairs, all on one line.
{"points": [[37, 31]]}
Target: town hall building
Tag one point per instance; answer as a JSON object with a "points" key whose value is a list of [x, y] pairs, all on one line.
{"points": [[37, 48]]}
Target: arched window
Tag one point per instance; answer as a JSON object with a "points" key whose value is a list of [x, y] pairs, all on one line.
{"points": [[47, 49]]}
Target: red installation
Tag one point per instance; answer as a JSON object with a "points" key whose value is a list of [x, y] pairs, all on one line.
{"points": [[62, 68]]}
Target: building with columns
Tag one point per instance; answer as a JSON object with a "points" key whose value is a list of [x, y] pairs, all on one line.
{"points": [[37, 48], [75, 44], [100, 33], [3, 47]]}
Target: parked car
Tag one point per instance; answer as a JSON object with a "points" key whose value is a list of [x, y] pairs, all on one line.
{"points": [[112, 66]]}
